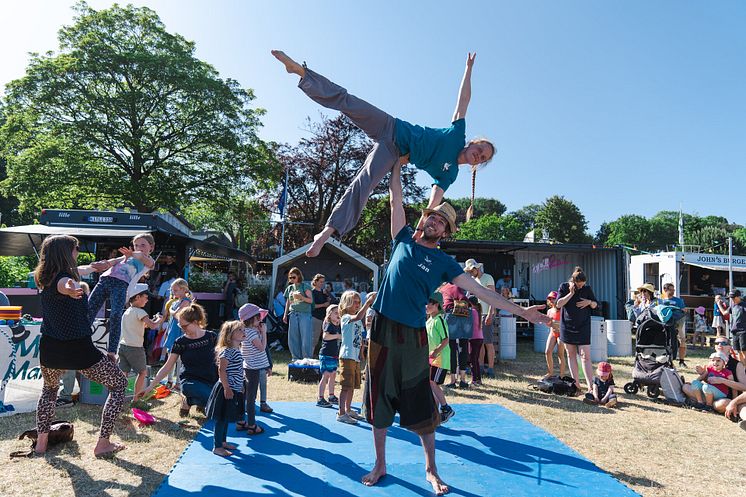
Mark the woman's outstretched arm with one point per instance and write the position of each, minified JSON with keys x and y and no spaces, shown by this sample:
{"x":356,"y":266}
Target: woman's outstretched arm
{"x":464,"y":93}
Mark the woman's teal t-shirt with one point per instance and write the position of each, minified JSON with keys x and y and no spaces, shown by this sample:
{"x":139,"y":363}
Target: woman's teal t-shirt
{"x":434,"y":150}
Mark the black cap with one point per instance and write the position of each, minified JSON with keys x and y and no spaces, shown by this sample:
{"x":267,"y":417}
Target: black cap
{"x":734,"y":294}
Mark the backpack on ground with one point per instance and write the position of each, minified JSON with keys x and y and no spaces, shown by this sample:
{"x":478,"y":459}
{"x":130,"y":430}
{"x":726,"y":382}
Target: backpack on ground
{"x":672,"y":385}
{"x":564,"y":385}
{"x":59,"y":432}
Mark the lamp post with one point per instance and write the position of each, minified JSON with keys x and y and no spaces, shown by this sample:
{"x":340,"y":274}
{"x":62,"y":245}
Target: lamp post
{"x":730,"y":264}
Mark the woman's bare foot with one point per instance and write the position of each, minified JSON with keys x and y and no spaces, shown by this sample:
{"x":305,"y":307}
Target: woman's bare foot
{"x":228,"y":446}
{"x":318,"y":242}
{"x":439,"y":487}
{"x":379,"y":471}
{"x":290,"y":65}
{"x":105,"y":448}
{"x":222,"y":452}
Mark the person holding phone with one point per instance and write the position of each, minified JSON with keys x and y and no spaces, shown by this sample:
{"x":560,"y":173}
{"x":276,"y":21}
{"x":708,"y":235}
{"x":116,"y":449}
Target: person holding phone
{"x":576,"y":300}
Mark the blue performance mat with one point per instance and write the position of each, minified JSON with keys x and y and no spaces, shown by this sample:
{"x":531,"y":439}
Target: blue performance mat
{"x":484,"y":450}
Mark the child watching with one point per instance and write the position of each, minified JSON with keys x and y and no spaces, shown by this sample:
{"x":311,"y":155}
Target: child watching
{"x":329,"y":356}
{"x":553,"y":337}
{"x":253,"y":350}
{"x":705,"y":390}
{"x":225,"y":404}
{"x":181,"y":297}
{"x":476,"y":341}
{"x":351,"y":315}
{"x":700,"y":327}
{"x":440,"y":353}
{"x":123,"y":273}
{"x":134,"y":322}
{"x":603,"y":387}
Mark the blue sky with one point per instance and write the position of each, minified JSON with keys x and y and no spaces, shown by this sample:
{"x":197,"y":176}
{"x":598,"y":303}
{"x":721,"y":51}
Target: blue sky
{"x":622,"y":107}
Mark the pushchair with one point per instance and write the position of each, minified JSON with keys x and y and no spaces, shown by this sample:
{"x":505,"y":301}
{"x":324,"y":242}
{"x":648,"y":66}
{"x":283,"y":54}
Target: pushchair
{"x":655,"y":347}
{"x":277,"y":330}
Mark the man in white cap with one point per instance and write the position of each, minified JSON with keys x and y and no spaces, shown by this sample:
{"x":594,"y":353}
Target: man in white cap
{"x":476,"y":270}
{"x":398,"y":377}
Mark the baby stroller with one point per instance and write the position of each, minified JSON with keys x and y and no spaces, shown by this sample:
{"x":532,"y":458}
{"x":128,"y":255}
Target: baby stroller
{"x":654,"y":349}
{"x":277,"y":330}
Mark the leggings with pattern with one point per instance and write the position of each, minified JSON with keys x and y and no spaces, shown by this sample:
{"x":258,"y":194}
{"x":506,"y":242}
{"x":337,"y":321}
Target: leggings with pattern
{"x":105,"y":372}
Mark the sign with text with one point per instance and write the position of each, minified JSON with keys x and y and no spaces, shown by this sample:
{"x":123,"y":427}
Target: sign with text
{"x":714,"y":260}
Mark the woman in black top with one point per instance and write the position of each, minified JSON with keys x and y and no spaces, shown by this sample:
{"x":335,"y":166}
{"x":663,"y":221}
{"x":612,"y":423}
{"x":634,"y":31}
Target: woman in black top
{"x":320,"y":302}
{"x":66,"y":342}
{"x":196,"y":349}
{"x":576,"y":300}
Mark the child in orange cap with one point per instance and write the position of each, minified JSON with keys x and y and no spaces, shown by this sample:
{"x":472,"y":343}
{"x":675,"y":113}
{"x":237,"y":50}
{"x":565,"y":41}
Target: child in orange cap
{"x":603,"y":387}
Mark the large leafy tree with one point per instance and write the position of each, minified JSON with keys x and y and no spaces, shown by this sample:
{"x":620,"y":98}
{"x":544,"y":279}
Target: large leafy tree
{"x":124,"y":114}
{"x":562,"y":220}
{"x":320,"y":168}
{"x":492,"y":227}
{"x":482,"y":206}
{"x":631,"y":230}
{"x":527,"y":216}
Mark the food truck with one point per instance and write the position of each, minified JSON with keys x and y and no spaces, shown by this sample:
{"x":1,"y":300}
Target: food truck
{"x":698,"y":277}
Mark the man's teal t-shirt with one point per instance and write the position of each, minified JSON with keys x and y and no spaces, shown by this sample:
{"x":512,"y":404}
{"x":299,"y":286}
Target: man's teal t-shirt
{"x":434,"y":150}
{"x":413,"y":274}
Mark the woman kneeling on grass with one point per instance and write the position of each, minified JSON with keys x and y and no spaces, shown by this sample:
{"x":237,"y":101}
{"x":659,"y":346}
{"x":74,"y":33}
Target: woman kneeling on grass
{"x":196,"y":349}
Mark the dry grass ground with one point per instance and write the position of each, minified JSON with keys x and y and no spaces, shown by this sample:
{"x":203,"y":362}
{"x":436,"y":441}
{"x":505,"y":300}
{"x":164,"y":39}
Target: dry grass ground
{"x":655,"y":449}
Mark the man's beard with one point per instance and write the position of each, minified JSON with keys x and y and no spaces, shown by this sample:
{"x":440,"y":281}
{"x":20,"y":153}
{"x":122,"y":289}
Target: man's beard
{"x":431,"y":238}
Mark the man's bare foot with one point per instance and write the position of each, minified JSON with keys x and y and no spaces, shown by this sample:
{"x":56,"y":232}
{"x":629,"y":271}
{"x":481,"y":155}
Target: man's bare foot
{"x":439,"y":487}
{"x":290,"y":65}
{"x":318,"y":242}
{"x":222,"y":452}
{"x":105,"y":448}
{"x":228,"y":446}
{"x":374,"y":476}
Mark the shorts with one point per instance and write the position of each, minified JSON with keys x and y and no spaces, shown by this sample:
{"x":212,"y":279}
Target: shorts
{"x":706,"y":388}
{"x":438,"y":375}
{"x":131,"y":359}
{"x":739,"y":341}
{"x":398,"y":378}
{"x":681,"y":330}
{"x":349,"y":377}
{"x":328,"y":364}
{"x":488,"y":331}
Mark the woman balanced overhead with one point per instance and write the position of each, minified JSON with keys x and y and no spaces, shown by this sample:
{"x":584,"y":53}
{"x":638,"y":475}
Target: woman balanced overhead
{"x":437,"y":151}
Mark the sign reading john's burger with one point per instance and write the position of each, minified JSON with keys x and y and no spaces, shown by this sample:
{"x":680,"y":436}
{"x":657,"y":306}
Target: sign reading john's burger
{"x":714,"y":260}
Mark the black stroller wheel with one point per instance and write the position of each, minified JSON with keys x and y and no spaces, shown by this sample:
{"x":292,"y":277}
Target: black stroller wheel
{"x":631,"y":388}
{"x":653,"y":391}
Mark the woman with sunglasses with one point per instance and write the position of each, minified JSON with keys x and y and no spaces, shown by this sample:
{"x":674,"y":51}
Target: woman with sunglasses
{"x":735,"y":386}
{"x":298,"y":306}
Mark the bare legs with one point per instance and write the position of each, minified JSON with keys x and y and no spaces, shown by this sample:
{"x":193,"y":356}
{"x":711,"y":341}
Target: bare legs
{"x":290,"y":65}
{"x":585,"y":356}
{"x":379,"y":470}
{"x":428,"y":444}
{"x":549,"y":353}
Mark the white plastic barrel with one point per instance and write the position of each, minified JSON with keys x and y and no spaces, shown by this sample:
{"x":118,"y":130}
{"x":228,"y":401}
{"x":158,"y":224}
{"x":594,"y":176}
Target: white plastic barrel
{"x":507,"y":338}
{"x":619,"y":337}
{"x":541,"y":332}
{"x":599,"y":344}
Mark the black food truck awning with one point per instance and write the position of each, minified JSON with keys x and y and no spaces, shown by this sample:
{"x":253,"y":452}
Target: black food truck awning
{"x":25,"y":240}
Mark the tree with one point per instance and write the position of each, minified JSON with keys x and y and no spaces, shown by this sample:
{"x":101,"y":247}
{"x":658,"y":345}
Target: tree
{"x":9,"y":212}
{"x":125,"y":115}
{"x":527,"y":216}
{"x":319,"y":170}
{"x":631,"y":230}
{"x":602,"y":235}
{"x":562,"y":220}
{"x":482,"y":206}
{"x":492,"y":227}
